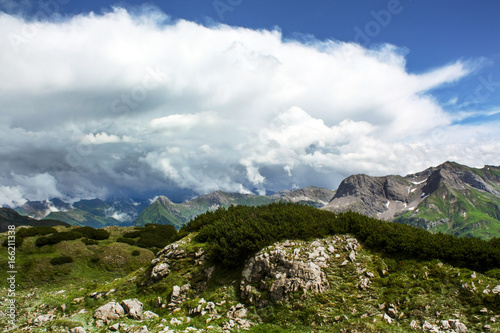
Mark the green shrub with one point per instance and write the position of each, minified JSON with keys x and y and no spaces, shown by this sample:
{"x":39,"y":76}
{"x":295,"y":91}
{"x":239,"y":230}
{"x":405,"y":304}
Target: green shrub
{"x":157,"y":236}
{"x":61,"y":260}
{"x":95,"y":260}
{"x":237,"y":232}
{"x":35,"y":231}
{"x":494,"y":273}
{"x":17,"y":243}
{"x":97,"y":234}
{"x":58,"y":237}
{"x":126,"y":240}
{"x":136,"y":253}
{"x":132,"y":234}
{"x":87,"y":241}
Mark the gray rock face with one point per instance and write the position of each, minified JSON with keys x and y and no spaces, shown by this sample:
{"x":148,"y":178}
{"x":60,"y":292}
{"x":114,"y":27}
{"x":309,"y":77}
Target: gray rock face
{"x":387,"y":197}
{"x":133,"y":308}
{"x":277,"y":272}
{"x":109,"y":311}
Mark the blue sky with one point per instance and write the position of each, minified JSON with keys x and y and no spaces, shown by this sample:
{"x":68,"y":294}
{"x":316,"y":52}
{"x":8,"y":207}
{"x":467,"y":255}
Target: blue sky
{"x":114,"y":98}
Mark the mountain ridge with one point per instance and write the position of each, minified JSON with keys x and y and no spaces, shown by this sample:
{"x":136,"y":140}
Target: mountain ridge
{"x":450,"y":198}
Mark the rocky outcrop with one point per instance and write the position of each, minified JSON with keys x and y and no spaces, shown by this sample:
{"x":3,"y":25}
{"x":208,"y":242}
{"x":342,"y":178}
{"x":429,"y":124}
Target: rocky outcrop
{"x":109,"y":311}
{"x":289,"y":267}
{"x":133,"y":308}
{"x":280,"y":275}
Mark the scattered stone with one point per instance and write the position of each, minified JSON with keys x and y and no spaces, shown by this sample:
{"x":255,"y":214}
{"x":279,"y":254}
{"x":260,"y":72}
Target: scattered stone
{"x":387,"y":318}
{"x":149,"y":315}
{"x":487,"y":328}
{"x":352,"y":256}
{"x":160,"y":271}
{"x":114,"y":327}
{"x":345,"y":262}
{"x":63,"y":307}
{"x":78,"y":329}
{"x":414,"y":324}
{"x":392,"y":312}
{"x":364,"y":284}
{"x":484,"y":310}
{"x":496,"y":290}
{"x":175,"y":321}
{"x":109,"y":311}
{"x":142,"y":329}
{"x":445,"y":325}
{"x":40,"y":320}
{"x":473,"y":275}
{"x":133,"y":308}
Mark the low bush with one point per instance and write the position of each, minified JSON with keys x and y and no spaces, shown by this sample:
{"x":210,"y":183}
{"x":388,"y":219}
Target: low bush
{"x":132,"y":234}
{"x":61,"y":260}
{"x":97,"y":234}
{"x":136,"y":253}
{"x":126,"y":240}
{"x":87,"y":241}
{"x":35,"y":231}
{"x":58,"y":237}
{"x":237,"y":232}
{"x":157,"y":236}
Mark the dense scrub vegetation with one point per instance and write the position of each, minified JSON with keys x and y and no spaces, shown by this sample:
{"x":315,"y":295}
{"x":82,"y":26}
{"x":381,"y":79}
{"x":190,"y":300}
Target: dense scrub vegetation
{"x":237,"y":232}
{"x":88,"y":232}
{"x":151,"y":236}
{"x":35,"y":231}
{"x":61,"y":260}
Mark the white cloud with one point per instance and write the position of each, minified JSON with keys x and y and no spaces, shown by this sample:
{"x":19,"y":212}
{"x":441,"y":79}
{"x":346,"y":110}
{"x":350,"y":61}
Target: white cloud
{"x":100,"y":138}
{"x":126,"y":103}
{"x":34,"y":187}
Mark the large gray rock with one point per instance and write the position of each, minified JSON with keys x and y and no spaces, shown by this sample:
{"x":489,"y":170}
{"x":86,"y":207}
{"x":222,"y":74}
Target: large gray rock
{"x":109,"y":311}
{"x":133,"y":308}
{"x":275,"y":272}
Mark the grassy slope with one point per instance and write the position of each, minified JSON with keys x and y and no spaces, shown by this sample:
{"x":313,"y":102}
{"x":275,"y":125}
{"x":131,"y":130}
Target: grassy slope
{"x":447,"y":205}
{"x":421,"y":291}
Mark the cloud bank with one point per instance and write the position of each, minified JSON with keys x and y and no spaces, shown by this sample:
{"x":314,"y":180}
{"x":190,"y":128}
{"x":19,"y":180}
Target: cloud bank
{"x":135,"y":104}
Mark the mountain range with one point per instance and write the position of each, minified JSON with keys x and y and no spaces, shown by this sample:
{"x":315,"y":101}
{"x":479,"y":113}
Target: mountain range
{"x":449,"y":198}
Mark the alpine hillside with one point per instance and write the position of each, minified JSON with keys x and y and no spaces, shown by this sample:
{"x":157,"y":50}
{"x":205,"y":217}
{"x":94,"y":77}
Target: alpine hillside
{"x":450,"y":198}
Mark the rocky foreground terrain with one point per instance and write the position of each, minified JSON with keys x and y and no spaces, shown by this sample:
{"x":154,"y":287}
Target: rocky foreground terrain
{"x":331,"y":284}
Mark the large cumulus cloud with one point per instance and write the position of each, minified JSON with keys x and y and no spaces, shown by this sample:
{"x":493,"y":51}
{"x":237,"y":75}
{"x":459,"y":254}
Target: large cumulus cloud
{"x":121,"y":103}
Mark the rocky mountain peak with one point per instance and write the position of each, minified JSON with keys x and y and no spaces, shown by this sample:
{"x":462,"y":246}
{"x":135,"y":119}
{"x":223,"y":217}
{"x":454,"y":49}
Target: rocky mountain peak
{"x":447,"y":193}
{"x":164,"y":200}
